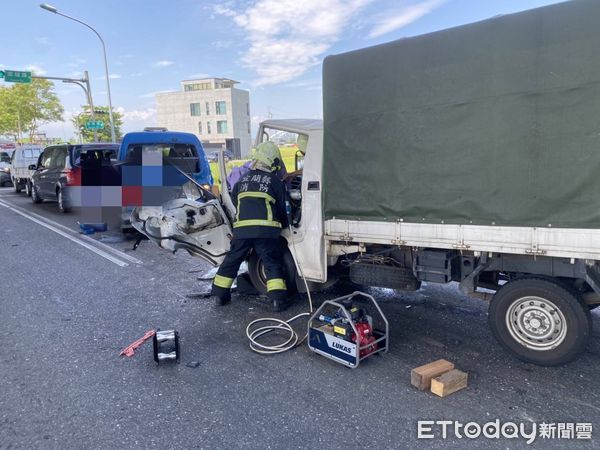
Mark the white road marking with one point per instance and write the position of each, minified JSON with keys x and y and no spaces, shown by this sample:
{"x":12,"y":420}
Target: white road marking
{"x":119,"y":253}
{"x":82,"y":236}
{"x":91,"y":248}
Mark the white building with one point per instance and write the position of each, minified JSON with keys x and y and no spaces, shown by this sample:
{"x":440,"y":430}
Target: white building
{"x":211,"y":108}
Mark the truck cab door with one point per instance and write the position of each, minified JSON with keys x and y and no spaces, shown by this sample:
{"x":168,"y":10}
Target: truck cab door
{"x":304,"y":187}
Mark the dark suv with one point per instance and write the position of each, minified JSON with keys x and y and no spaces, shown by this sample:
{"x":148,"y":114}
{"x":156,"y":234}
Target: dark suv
{"x":59,"y":166}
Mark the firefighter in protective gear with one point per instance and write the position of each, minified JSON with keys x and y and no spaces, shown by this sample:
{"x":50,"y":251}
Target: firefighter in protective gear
{"x":259,"y":197}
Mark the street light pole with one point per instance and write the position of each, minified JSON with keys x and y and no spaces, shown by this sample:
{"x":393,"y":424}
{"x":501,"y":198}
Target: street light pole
{"x":52,"y":9}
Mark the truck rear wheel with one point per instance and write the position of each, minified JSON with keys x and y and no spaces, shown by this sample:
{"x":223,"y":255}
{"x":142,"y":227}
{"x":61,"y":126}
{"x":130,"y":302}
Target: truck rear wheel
{"x":28,"y":188}
{"x":16,"y":185}
{"x":540,"y":321}
{"x":258,"y":277}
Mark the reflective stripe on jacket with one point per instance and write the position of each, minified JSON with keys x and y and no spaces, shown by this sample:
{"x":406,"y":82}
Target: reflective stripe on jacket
{"x":260,"y":201}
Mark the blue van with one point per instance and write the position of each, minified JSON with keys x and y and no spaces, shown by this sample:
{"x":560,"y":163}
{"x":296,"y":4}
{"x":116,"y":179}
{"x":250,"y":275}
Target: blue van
{"x":184,"y":150}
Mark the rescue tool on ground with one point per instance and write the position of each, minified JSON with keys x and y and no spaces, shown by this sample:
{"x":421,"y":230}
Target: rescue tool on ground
{"x":344,"y":332}
{"x":165,"y":345}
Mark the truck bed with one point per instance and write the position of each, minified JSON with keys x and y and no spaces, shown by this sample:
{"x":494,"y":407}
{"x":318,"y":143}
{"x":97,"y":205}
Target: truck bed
{"x":484,"y":136}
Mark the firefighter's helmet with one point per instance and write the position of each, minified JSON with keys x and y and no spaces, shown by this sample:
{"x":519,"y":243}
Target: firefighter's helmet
{"x":267,"y":156}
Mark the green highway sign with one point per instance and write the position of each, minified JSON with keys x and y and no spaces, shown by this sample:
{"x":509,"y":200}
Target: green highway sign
{"x":94,"y":125}
{"x":15,"y":76}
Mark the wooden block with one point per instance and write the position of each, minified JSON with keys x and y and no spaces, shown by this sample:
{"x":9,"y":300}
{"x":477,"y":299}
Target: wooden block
{"x":448,"y":383}
{"x":420,"y":377}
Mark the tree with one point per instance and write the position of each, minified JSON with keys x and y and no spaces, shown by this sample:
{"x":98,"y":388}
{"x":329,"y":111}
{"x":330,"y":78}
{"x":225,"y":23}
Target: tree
{"x":101,"y":112}
{"x":8,"y":116}
{"x":26,"y":106}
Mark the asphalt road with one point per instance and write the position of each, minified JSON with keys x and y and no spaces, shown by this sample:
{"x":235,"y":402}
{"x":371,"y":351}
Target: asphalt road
{"x":66,"y":310}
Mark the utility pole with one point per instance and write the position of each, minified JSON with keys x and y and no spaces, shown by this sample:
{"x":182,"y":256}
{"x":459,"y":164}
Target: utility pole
{"x":83,"y":83}
{"x":19,"y":138}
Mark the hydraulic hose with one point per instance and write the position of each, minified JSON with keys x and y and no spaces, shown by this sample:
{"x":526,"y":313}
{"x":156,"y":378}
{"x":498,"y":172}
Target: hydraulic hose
{"x":270,"y":324}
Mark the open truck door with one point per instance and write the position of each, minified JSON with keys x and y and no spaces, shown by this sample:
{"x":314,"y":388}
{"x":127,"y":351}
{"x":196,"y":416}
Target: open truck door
{"x":195,"y":220}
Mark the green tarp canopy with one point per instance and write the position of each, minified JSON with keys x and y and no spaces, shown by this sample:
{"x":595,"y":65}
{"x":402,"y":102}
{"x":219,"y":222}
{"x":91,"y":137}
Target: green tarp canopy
{"x":493,"y":122}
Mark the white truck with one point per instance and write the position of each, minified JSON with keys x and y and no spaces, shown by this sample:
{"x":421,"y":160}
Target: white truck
{"x":468,"y":155}
{"x":20,"y":173}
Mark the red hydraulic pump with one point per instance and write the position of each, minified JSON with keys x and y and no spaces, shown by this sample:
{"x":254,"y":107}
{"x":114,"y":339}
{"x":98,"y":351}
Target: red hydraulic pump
{"x":342,"y":327}
{"x":344,"y":332}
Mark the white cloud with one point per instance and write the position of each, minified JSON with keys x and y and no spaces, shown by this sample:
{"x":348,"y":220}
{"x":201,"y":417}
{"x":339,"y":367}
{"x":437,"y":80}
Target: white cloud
{"x":36,"y":69}
{"x":224,"y":10}
{"x":70,"y":113}
{"x":287,"y":37}
{"x":400,"y":17}
{"x":42,"y":40}
{"x":64,"y":129}
{"x":163,"y":63}
{"x":137,"y":119}
{"x":137,"y":114}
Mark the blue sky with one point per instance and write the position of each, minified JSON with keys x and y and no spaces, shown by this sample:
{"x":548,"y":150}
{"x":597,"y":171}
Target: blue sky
{"x":273,"y":47}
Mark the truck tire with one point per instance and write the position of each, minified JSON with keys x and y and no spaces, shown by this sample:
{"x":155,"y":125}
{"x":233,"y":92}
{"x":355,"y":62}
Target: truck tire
{"x":256,"y":271}
{"x":540,"y":321}
{"x":28,"y":188}
{"x":16,"y":185}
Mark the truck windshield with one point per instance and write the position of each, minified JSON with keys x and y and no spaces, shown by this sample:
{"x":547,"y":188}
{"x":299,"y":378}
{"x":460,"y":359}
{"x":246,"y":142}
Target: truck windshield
{"x":32,"y":152}
{"x":291,"y":144}
{"x":285,"y":139}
